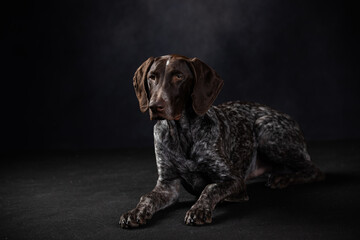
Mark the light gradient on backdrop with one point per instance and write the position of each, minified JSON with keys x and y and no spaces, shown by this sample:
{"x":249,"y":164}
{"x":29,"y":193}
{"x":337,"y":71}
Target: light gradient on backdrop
{"x":74,"y":61}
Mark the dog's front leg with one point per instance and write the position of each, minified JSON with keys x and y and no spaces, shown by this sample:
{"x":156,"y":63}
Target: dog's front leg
{"x":201,"y":212}
{"x":164,"y":194}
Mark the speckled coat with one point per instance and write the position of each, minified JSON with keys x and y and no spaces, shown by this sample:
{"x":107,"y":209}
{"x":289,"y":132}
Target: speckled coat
{"x":213,"y":154}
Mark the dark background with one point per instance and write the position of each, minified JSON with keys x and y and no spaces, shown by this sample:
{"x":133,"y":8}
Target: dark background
{"x":67,"y":66}
{"x":67,"y":110}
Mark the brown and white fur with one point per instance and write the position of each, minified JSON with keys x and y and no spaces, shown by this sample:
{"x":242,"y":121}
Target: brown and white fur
{"x":211,"y":150}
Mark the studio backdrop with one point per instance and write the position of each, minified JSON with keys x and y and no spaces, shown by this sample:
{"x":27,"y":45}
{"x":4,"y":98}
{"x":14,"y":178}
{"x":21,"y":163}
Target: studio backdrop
{"x":67,"y":66}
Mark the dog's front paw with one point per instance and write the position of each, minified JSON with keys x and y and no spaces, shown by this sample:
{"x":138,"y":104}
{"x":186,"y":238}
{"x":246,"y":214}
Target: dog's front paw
{"x":134,"y":218}
{"x":198,"y":216}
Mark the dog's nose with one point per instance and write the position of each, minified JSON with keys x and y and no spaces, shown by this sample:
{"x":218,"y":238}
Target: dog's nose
{"x":157,"y":106}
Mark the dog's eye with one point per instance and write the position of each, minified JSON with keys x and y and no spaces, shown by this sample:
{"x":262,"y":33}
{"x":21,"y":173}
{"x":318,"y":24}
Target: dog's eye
{"x":178,"y":77}
{"x":152,"y":77}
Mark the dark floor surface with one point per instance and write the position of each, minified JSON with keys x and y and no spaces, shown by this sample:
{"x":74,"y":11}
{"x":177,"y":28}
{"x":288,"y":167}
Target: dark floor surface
{"x":81,"y":195}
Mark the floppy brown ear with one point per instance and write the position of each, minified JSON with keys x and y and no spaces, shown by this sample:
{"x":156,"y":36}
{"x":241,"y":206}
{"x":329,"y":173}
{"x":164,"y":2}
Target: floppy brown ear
{"x":206,"y":88}
{"x":139,"y":82}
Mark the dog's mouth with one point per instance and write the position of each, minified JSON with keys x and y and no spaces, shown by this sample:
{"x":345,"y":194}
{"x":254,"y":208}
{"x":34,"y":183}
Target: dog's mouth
{"x":177,"y":117}
{"x":159,"y":116}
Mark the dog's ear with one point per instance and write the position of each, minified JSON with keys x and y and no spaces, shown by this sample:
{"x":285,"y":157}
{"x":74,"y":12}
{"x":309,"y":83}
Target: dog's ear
{"x":206,"y":88}
{"x":140,"y":84}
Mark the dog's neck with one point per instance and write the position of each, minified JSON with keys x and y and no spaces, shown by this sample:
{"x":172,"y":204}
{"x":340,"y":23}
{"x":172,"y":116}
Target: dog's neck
{"x":182,"y":127}
{"x":181,"y":130}
{"x":188,"y":117}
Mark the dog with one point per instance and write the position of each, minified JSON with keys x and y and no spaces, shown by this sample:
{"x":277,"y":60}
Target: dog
{"x":212,"y":151}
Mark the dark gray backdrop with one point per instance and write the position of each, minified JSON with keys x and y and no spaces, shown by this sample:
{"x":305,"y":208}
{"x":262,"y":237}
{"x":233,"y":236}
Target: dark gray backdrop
{"x":67,"y":66}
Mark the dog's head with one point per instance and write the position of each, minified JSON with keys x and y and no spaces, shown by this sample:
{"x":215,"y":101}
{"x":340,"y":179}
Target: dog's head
{"x":167,"y":85}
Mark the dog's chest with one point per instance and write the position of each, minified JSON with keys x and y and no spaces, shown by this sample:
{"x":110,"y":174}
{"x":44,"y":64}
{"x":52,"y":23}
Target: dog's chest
{"x":195,"y":173}
{"x":194,"y":182}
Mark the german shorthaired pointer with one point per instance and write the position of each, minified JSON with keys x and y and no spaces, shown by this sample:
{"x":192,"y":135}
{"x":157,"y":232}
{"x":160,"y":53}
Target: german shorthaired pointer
{"x":211,"y":150}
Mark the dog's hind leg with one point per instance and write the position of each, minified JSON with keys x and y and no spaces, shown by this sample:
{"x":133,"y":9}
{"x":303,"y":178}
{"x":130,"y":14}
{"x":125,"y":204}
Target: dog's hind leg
{"x":282,"y":145}
{"x":306,"y":173}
